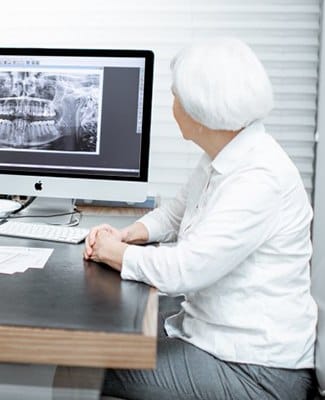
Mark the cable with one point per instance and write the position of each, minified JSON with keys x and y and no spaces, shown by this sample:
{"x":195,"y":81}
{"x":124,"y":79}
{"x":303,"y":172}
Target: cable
{"x":74,"y":222}
{"x":13,"y":215}
{"x":25,"y":204}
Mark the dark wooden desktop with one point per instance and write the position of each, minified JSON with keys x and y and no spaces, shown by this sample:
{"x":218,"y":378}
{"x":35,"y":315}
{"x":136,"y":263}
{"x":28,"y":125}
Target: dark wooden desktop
{"x":76,"y":313}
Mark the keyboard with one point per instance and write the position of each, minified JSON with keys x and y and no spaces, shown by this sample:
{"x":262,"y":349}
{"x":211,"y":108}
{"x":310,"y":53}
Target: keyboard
{"x":55,"y":233}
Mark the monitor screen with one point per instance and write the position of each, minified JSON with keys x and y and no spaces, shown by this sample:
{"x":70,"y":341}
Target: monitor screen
{"x":75,"y":123}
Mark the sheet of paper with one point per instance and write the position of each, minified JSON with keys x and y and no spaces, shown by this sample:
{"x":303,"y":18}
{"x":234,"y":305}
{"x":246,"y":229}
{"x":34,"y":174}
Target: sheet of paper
{"x":18,"y":259}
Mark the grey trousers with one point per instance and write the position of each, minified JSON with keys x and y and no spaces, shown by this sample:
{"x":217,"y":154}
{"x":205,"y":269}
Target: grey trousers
{"x":184,"y":372}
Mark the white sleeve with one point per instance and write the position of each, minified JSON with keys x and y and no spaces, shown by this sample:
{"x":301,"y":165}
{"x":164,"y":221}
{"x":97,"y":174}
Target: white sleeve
{"x":163,"y":222}
{"x":240,"y":220}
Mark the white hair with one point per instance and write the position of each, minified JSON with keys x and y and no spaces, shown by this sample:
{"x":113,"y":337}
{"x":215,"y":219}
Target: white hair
{"x":222,"y":85}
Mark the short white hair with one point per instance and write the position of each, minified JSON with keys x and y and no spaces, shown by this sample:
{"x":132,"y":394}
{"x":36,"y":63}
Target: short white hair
{"x":222,"y":84}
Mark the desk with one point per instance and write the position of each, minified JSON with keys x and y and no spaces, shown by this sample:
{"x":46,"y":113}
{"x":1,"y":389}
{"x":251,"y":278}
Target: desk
{"x":75,"y":312}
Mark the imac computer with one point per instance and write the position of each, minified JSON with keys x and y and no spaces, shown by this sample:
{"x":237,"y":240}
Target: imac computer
{"x":75,"y":123}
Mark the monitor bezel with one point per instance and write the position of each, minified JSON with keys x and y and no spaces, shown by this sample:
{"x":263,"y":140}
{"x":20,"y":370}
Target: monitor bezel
{"x":148,"y":55}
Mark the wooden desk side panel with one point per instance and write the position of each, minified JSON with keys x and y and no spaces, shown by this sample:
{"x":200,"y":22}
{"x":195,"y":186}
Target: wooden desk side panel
{"x":150,"y":320}
{"x":76,"y":348}
{"x":84,"y":348}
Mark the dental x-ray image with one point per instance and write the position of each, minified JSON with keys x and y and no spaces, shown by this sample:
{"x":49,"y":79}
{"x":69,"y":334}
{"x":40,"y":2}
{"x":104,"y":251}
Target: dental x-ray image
{"x":49,"y":110}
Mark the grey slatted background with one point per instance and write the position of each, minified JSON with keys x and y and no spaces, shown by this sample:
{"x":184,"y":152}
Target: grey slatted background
{"x":284,"y":33}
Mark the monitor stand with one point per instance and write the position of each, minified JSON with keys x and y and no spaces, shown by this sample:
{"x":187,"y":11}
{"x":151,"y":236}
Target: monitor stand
{"x":49,"y":210}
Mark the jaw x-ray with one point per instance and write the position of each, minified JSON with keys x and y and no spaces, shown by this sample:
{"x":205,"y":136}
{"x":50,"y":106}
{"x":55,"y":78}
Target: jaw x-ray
{"x":48,"y":110}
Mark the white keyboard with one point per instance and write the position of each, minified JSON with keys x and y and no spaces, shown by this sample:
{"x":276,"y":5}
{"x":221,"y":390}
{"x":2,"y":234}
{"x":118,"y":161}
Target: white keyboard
{"x":56,"y":233}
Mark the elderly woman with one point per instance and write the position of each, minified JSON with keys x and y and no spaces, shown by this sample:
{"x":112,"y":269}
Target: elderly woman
{"x":241,"y":233}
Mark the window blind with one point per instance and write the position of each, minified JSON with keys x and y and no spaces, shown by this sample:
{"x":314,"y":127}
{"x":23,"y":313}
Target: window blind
{"x":284,"y":34}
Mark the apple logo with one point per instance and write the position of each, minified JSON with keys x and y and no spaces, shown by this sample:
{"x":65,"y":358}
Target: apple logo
{"x":38,"y":185}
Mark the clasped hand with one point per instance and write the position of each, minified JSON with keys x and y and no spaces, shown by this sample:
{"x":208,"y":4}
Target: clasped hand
{"x":105,"y":243}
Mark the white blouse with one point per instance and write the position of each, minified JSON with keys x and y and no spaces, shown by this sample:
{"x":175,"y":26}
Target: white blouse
{"x":241,"y":251}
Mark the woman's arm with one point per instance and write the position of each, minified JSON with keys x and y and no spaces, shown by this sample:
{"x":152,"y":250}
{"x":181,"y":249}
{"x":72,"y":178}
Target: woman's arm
{"x":164,"y":222}
{"x":239,"y":221}
{"x":136,"y":233}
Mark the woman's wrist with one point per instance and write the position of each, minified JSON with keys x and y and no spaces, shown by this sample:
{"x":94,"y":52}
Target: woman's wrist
{"x":115,"y":257}
{"x":136,"y":233}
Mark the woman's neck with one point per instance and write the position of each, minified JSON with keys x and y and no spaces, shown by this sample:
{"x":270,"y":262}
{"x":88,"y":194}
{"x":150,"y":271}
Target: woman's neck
{"x":213,"y":141}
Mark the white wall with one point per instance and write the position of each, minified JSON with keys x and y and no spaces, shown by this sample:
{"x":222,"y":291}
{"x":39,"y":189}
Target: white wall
{"x":284,"y":33}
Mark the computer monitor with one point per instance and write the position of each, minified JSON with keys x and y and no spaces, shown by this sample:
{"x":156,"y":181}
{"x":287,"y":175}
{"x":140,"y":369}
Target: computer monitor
{"x":75,"y":123}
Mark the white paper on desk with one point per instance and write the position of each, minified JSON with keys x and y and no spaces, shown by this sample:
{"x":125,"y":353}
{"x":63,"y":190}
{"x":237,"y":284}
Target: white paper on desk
{"x":18,"y":259}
